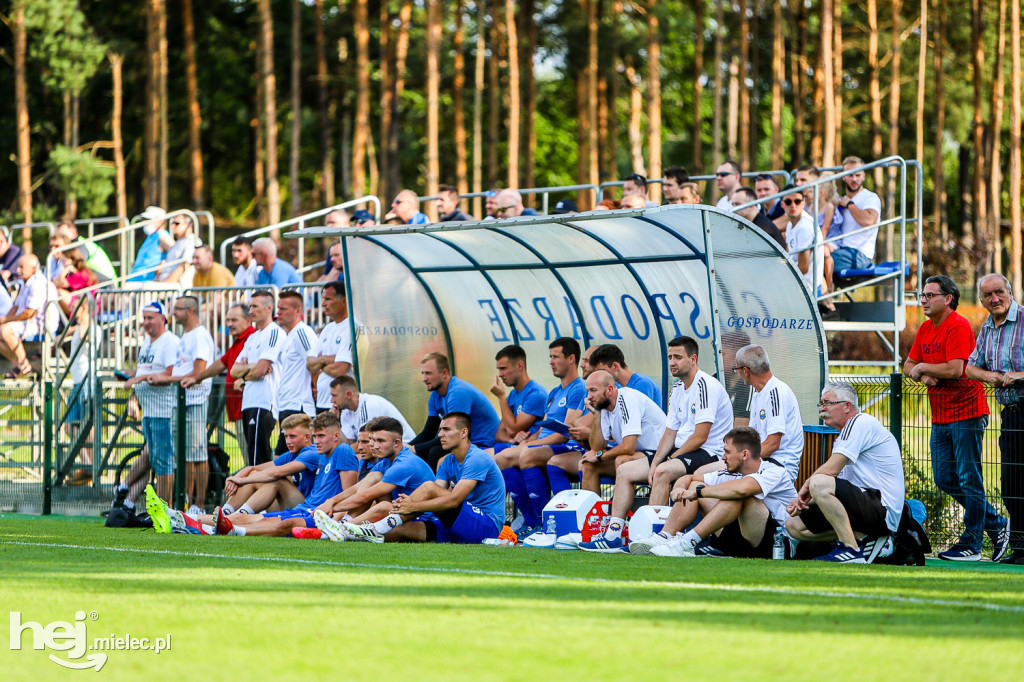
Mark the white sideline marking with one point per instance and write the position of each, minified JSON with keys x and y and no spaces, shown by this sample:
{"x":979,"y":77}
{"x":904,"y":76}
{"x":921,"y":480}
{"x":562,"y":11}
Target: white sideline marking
{"x":544,"y":576}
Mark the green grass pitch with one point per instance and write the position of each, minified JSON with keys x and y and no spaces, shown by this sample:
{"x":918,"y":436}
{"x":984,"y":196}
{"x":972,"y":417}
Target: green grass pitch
{"x":256,"y":609}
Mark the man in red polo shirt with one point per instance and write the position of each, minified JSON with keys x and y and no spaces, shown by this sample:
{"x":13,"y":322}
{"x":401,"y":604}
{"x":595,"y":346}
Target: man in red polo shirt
{"x":237,"y":321}
{"x":938,"y":359}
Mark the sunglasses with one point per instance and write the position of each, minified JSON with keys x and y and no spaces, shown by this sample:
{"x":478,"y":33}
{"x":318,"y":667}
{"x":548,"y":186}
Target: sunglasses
{"x":725,"y":174}
{"x":791,"y":202}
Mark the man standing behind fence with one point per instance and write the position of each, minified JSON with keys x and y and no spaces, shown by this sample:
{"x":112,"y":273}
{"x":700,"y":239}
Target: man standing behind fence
{"x":296,"y":392}
{"x":258,"y":369}
{"x":938,"y":359}
{"x":998,"y":359}
{"x":332,"y":356}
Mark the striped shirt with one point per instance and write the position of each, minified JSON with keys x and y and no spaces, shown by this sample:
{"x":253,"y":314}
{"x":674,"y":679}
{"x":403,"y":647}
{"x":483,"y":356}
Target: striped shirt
{"x":296,"y":387}
{"x":1001,"y":349}
{"x":370,"y":407}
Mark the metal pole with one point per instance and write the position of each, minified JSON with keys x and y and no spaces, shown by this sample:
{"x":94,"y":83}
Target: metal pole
{"x":896,"y":407}
{"x":48,"y":448}
{"x":179,"y":450}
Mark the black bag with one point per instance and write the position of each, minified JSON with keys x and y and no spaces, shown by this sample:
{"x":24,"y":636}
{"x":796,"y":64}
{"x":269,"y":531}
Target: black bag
{"x":218,"y":474}
{"x":910,"y":545}
{"x":122,"y":518}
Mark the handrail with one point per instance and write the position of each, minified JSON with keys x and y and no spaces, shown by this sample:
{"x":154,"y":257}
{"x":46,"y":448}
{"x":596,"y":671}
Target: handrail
{"x":92,"y":222}
{"x":301,"y":222}
{"x":786,"y":175}
{"x":545,"y":191}
{"x":35,"y":226}
{"x":212,"y":225}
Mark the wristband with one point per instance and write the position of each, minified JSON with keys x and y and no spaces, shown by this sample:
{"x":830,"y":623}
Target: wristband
{"x":700,"y":490}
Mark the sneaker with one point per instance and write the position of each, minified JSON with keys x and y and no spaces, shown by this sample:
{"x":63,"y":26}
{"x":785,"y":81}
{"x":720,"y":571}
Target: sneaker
{"x":328,"y":526}
{"x":643,"y":546}
{"x":1014,"y":558}
{"x":675,"y":547}
{"x":224,"y":525}
{"x":364,"y":532}
{"x":842,"y":554}
{"x":604,"y":546}
{"x":960,"y":553}
{"x":118,"y":502}
{"x":308,"y":533}
{"x":158,"y":511}
{"x":876,"y":548}
{"x":1000,"y":540}
{"x":183,"y":523}
{"x":705,"y":548}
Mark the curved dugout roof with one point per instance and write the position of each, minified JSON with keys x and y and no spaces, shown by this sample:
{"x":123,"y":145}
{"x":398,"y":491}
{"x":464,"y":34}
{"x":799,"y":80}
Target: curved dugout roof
{"x":633,"y":278}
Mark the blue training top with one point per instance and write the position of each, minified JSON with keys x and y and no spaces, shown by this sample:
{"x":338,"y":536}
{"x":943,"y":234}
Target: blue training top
{"x":561,"y":400}
{"x":406,"y":472}
{"x":646,"y":385}
{"x":328,"y":476}
{"x":305,"y":479}
{"x":463,"y":397}
{"x":489,"y":493}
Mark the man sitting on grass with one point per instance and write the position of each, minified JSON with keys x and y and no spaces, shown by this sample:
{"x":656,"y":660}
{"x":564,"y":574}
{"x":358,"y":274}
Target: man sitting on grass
{"x":464,"y":505}
{"x":743,"y":504}
{"x":398,"y":471}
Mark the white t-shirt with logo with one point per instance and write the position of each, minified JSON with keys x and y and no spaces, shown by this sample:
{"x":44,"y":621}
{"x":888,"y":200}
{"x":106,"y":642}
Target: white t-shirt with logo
{"x":155,"y":357}
{"x":32,"y":296}
{"x":774,"y":409}
{"x":705,"y":402}
{"x":195,"y":345}
{"x":370,"y":407}
{"x":777,"y":489}
{"x":263,"y":344}
{"x":875,"y":462}
{"x":336,"y":340}
{"x":865,"y":241}
{"x":800,"y":237}
{"x":634,"y":414}
{"x":296,"y":390}
{"x":246,"y":276}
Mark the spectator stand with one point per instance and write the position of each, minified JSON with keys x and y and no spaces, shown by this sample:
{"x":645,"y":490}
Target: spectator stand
{"x":300,"y":223}
{"x":784,"y":174}
{"x":544,"y":193}
{"x":876,"y":300}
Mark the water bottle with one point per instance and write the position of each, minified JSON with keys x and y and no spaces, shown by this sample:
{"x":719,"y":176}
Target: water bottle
{"x":497,"y":542}
{"x":551,"y":527}
{"x":779,"y":545}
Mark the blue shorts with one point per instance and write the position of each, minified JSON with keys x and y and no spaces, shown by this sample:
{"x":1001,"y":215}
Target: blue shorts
{"x":562,"y":448}
{"x":471,"y":527}
{"x":304,"y":514}
{"x":498,"y":447}
{"x":848,"y":258}
{"x":157,"y":433}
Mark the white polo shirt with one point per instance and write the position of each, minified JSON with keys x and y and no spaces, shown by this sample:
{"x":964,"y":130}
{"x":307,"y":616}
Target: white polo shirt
{"x":265,"y":344}
{"x":774,"y":409}
{"x":296,"y":389}
{"x":875,"y":462}
{"x":335,"y":339}
{"x":370,"y":407}
{"x":195,"y":345}
{"x":777,"y":489}
{"x":704,"y":402}
{"x":634,"y":414}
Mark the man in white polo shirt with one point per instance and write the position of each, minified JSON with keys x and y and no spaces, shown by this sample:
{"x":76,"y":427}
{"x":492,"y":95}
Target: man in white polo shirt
{"x":333,"y":355}
{"x":857,"y":496}
{"x":774,"y":410}
{"x":356,"y":408}
{"x":258,"y":369}
{"x":295,"y":395}
{"x":25,"y":320}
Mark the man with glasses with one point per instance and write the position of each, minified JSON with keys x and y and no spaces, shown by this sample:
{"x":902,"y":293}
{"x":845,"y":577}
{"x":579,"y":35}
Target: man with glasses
{"x":774,"y":411}
{"x":510,"y":205}
{"x":636,"y":185}
{"x":998,"y":359}
{"x":800,"y":241}
{"x":862,"y":207}
{"x":728,"y":179}
{"x":856,"y":497}
{"x":406,"y":207}
{"x":938,"y":359}
{"x":179,"y":257}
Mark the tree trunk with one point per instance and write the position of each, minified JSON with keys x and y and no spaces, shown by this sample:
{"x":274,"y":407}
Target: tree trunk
{"x":940,"y":123}
{"x":716,"y":114}
{"x":195,"y":121}
{"x":827,"y":64}
{"x":528,"y":30}
{"x":121,"y":200}
{"x":922,"y":64}
{"x":395,"y":134}
{"x":636,"y":151}
{"x":614,"y":78}
{"x":513,"y":94}
{"x":798,"y":72}
{"x":875,"y":94}
{"x":296,"y":97}
{"x":270,"y":115}
{"x":21,"y":117}
{"x":70,"y":204}
{"x":732,"y":134}
{"x":979,"y":191}
{"x":323,"y":113}
{"x":743,"y":100}
{"x":593,"y":150}
{"x":387,"y":92}
{"x":361,"y":26}
{"x":1015,"y":151}
{"x":433,"y":102}
{"x":581,"y":133}
{"x":837,"y":75}
{"x":778,"y":76}
{"x":698,"y":85}
{"x":894,"y":117}
{"x":458,"y":88}
{"x":150,"y":179}
{"x":162,"y":95}
{"x":371,"y":160}
{"x":752,"y":99}
{"x":494,"y":101}
{"x":995,"y":184}
{"x":478,"y":108}
{"x":653,"y":98}
{"x":259,"y":150}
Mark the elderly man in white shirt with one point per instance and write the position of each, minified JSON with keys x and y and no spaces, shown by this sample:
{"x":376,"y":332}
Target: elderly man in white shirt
{"x":25,"y":319}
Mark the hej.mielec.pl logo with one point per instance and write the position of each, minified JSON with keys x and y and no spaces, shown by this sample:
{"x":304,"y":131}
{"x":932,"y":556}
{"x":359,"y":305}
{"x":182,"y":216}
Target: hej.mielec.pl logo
{"x":73,"y":640}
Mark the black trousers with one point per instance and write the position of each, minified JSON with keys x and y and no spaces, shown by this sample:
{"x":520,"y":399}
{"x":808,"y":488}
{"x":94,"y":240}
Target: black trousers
{"x":1011,"y":445}
{"x":259,"y":425}
{"x":281,"y":416}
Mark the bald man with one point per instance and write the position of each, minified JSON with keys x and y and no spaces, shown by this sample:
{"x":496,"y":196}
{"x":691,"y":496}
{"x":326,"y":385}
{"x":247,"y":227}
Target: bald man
{"x":510,"y":204}
{"x":272,"y":269}
{"x":406,"y":207}
{"x":24,"y":321}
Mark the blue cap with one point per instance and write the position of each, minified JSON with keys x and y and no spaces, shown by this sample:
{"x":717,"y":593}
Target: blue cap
{"x":155,"y":307}
{"x":361,"y":216}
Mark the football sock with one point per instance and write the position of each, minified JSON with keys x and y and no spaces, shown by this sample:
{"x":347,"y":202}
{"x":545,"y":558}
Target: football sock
{"x":516,"y":487}
{"x":558,"y":478}
{"x":237,"y":530}
{"x":615,"y":526}
{"x":387,"y":523}
{"x":690,"y":539}
{"x":537,"y":487}
{"x":208,"y":529}
{"x":228,"y":509}
{"x":246,"y":509}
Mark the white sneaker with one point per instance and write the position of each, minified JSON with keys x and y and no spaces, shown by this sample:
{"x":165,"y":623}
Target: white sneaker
{"x":674,"y":547}
{"x":330,"y":528}
{"x":364,"y":532}
{"x":645,"y":545}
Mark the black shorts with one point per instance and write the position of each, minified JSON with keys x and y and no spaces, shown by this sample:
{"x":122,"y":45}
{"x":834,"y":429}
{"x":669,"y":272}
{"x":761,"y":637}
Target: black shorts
{"x":863,"y":506}
{"x":732,"y":543}
{"x":696,"y":459}
{"x":649,"y":454}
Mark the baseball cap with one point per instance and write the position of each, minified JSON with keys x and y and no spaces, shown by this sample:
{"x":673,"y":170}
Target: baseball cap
{"x":154,"y":213}
{"x":155,"y":307}
{"x":565,"y":206}
{"x":361,"y":216}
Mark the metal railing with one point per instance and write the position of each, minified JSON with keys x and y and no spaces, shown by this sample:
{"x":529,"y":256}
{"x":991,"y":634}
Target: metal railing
{"x":300,"y":222}
{"x":544,"y":192}
{"x":784,"y":174}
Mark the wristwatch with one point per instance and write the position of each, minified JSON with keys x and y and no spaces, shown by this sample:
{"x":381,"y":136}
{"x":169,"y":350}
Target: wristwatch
{"x":598,"y":455}
{"x":700,"y":490}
